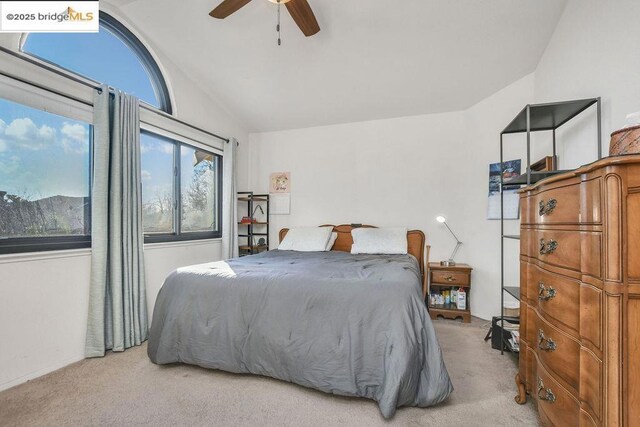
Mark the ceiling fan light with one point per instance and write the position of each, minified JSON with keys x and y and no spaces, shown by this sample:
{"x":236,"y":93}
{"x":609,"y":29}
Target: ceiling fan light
{"x":281,"y":1}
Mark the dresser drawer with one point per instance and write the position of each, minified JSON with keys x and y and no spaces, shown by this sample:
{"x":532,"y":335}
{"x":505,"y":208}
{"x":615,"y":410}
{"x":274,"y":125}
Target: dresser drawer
{"x":558,"y":351}
{"x":579,"y":251}
{"x":557,"y":297}
{"x":449,"y":277}
{"x":557,"y":247}
{"x":567,"y":204}
{"x":556,"y":405}
{"x":557,"y":206}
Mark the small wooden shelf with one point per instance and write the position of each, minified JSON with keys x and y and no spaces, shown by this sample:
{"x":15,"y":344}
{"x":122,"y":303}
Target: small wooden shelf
{"x":449,"y":313}
{"x":450,"y":307}
{"x":454,"y":276}
{"x":253,"y":223}
{"x":252,"y":247}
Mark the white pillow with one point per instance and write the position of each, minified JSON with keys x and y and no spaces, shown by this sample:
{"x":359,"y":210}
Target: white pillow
{"x":332,"y":240}
{"x":392,"y":240}
{"x":306,"y":239}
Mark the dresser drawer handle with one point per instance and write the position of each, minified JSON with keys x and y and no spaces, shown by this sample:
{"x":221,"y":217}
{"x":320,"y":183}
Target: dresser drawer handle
{"x":545,"y":294}
{"x":544,"y":343}
{"x":450,"y":279}
{"x":547,"y":248}
{"x":545,"y":394}
{"x":547,"y":208}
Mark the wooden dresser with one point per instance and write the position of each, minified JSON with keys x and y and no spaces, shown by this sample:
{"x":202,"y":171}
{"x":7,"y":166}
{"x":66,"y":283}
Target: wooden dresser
{"x":580,"y":295}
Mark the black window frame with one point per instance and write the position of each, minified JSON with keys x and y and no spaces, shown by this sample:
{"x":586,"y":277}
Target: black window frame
{"x":15,"y":245}
{"x":156,"y":78}
{"x":178,"y":235}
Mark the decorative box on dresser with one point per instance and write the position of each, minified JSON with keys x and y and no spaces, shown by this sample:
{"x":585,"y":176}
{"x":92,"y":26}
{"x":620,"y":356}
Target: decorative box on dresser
{"x":580,"y":295}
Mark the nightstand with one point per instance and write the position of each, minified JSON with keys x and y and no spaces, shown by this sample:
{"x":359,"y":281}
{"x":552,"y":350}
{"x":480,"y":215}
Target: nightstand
{"x":444,"y":278}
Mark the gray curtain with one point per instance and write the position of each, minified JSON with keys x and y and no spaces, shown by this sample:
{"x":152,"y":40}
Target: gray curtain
{"x":229,"y":200}
{"x":117,"y":298}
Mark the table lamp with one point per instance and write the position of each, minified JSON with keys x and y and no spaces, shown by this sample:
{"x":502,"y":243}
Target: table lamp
{"x":443,"y":220}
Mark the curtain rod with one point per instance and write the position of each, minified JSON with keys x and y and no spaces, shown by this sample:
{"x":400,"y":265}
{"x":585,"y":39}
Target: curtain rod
{"x":94,"y":86}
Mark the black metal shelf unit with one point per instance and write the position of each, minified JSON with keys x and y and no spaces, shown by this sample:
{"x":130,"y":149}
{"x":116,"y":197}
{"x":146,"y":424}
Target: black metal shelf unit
{"x":248,"y":226}
{"x":536,"y":118}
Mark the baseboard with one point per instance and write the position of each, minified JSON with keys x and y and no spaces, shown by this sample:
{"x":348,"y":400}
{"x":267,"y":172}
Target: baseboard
{"x":40,"y":372}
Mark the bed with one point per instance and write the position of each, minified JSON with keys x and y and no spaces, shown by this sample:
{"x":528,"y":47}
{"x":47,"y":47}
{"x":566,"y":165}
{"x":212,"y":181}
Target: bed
{"x":352,"y":325}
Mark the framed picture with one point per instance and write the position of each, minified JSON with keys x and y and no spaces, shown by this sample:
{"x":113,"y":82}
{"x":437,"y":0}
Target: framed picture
{"x":545,"y":164}
{"x":510,"y":169}
{"x":280,"y":182}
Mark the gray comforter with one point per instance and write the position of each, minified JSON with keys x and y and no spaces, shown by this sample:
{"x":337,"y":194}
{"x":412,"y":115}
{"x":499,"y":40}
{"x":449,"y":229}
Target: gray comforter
{"x":352,"y":325}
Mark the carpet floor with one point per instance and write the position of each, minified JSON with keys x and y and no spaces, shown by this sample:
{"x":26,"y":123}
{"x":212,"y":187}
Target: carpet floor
{"x":127,"y":389}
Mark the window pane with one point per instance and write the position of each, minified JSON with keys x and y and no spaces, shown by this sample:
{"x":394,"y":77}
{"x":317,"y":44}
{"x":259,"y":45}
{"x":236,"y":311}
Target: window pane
{"x":100,"y":56}
{"x":157,"y":184}
{"x":44,"y":173}
{"x":198,"y":170}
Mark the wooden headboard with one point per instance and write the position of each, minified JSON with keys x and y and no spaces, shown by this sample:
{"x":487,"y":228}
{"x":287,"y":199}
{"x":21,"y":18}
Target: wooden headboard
{"x":415,"y":245}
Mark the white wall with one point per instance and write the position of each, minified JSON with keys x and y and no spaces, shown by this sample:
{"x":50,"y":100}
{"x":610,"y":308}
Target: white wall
{"x":594,"y":51}
{"x":401,"y":172}
{"x":44,"y":299}
{"x":405,"y":171}
{"x":44,"y":296}
{"x":388,"y":172}
{"x":43,"y":312}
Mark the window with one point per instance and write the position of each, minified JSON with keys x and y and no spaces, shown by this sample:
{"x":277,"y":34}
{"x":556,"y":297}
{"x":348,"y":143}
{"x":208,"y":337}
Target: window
{"x":197,"y":190}
{"x":113,"y":55}
{"x":181,"y":190}
{"x":46,"y":143}
{"x":44,"y":180}
{"x":157,"y":158}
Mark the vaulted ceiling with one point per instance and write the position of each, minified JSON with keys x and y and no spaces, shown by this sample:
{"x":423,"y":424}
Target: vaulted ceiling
{"x":372,"y":59}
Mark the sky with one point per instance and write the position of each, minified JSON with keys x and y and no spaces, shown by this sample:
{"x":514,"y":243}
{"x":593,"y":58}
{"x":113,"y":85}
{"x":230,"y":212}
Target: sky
{"x":157,"y":167}
{"x":44,"y":154}
{"x":100,"y":56}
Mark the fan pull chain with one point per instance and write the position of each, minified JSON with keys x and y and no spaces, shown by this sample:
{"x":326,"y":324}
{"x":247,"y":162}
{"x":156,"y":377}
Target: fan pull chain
{"x":278,"y":26}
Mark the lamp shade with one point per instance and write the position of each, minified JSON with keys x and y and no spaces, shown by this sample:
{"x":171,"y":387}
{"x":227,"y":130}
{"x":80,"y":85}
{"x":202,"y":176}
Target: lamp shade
{"x":441,"y":219}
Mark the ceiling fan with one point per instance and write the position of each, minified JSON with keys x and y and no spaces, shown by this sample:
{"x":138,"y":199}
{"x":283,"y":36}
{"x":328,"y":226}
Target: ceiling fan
{"x":299,"y":10}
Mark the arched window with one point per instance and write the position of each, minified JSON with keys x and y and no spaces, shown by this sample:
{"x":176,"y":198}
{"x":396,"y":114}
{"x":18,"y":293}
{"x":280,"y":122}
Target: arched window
{"x":114,"y":56}
{"x":46,"y":144}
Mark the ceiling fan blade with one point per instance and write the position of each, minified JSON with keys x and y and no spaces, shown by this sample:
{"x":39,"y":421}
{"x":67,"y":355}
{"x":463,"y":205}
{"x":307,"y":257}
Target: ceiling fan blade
{"x":227,"y":7}
{"x":303,"y":16}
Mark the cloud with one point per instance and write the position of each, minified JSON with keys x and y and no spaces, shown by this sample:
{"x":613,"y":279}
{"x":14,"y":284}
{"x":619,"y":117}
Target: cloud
{"x":76,"y":131}
{"x":146,"y":175}
{"x":160,"y":146}
{"x":74,"y":137}
{"x":25,"y":134}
